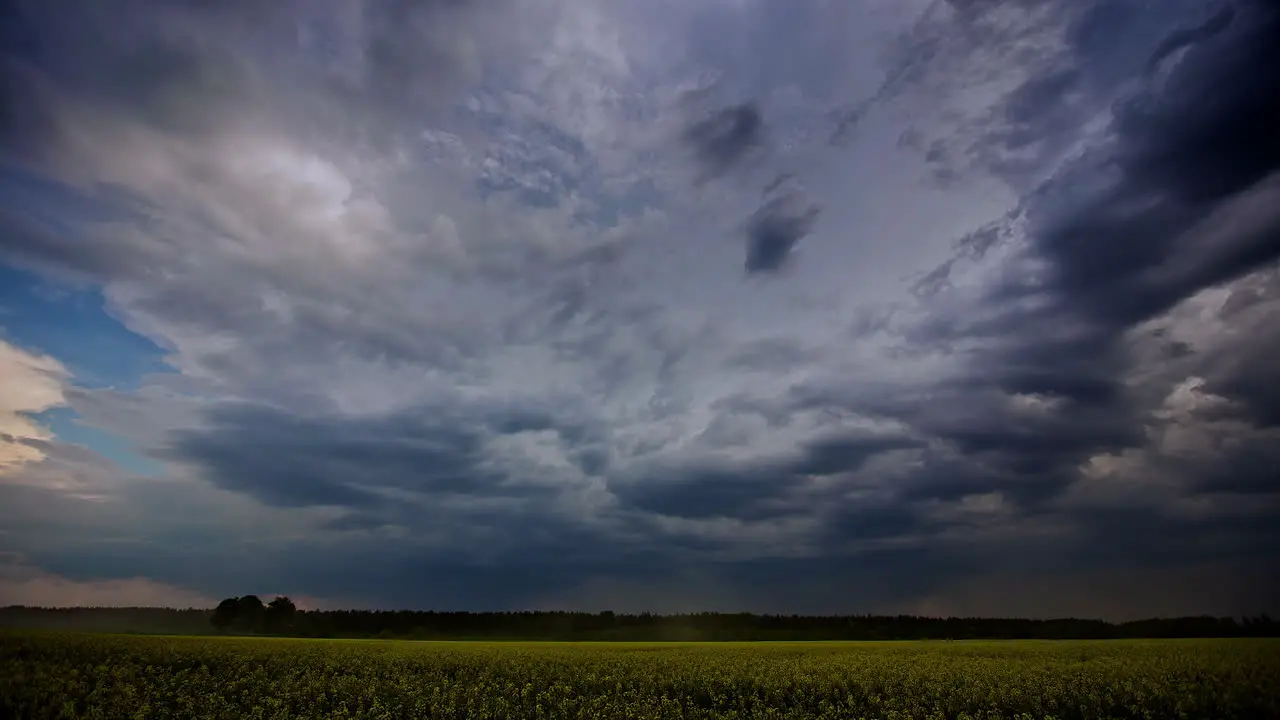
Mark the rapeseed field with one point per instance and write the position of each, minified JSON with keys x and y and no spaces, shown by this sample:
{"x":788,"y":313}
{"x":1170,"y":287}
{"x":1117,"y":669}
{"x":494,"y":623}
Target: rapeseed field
{"x":52,"y":675}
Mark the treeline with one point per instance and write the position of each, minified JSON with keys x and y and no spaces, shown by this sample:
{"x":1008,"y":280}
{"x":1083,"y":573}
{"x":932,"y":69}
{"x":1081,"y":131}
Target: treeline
{"x":279,"y":617}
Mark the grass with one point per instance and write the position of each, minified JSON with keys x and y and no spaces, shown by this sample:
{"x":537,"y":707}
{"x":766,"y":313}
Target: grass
{"x":52,"y":675}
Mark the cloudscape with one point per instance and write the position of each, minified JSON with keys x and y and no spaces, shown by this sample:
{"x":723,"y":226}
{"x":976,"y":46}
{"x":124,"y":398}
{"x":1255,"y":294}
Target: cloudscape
{"x":827,"y":306}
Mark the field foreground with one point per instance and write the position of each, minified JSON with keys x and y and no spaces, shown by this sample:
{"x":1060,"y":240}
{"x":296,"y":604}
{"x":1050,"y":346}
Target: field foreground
{"x":50,"y":675}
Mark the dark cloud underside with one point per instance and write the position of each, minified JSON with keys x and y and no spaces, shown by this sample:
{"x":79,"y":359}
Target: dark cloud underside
{"x":445,"y":320}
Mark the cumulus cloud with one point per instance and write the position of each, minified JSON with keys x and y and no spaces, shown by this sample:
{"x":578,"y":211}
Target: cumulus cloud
{"x":29,"y":383}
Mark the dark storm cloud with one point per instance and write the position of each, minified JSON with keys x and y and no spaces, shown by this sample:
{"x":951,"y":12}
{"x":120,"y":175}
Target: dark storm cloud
{"x":377,"y":575}
{"x":722,"y":144}
{"x":758,"y":490}
{"x":1250,"y":467}
{"x":1184,"y":197}
{"x":32,"y":242}
{"x":1251,"y":378}
{"x":842,"y":454}
{"x":391,"y":576}
{"x":710,"y":492}
{"x":1188,"y":150}
{"x":1030,"y":457}
{"x":125,"y":60}
{"x":197,"y":70}
{"x":774,"y":230}
{"x":774,"y":355}
{"x":447,"y":506}
{"x":1191,"y":205}
{"x":723,"y":140}
{"x":949,"y":476}
{"x":855,"y":525}
{"x":1180,"y":199}
{"x":94,"y":97}
{"x":1218,"y":22}
{"x":776,"y":183}
{"x":290,"y":460}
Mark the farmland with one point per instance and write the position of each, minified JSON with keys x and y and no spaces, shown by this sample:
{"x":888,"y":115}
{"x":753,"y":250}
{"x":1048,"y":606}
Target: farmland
{"x":65,"y":675}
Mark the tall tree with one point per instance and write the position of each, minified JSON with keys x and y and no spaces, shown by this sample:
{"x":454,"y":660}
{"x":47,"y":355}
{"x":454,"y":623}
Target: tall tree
{"x":225,"y":614}
{"x":279,"y":614}
{"x":249,"y":612}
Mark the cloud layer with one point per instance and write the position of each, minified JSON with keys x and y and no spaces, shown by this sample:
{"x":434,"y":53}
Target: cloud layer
{"x":28,"y":384}
{"x":508,"y":304}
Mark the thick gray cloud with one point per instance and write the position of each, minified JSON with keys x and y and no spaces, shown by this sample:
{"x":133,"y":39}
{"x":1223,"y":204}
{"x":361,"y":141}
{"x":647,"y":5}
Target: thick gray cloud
{"x":288,"y":460}
{"x":780,"y":487}
{"x":732,"y":141}
{"x":1176,"y":199}
{"x":723,"y":140}
{"x":774,"y":230}
{"x":1182,"y":203}
{"x":451,"y":321}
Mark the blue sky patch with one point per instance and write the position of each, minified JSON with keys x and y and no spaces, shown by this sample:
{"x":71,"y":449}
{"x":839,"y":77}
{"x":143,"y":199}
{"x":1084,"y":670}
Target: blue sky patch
{"x":66,"y":426}
{"x":73,"y":326}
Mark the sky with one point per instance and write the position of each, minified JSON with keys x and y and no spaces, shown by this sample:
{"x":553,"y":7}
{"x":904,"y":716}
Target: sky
{"x":950,"y":307}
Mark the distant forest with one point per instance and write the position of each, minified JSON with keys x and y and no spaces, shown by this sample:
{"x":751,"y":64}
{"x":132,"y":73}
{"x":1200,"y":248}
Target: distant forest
{"x":249,"y":615}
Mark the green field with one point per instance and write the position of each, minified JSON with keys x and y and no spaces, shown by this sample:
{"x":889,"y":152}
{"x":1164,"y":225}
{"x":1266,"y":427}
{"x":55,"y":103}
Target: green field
{"x":52,"y":675}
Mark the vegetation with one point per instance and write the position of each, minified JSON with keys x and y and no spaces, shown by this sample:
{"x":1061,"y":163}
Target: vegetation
{"x":57,"y":675}
{"x":249,"y":615}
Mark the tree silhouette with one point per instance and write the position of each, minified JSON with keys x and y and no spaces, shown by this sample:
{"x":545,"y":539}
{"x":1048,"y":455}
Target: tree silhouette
{"x":548,"y":625}
{"x":225,"y":614}
{"x":249,"y":613}
{"x":279,"y":613}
